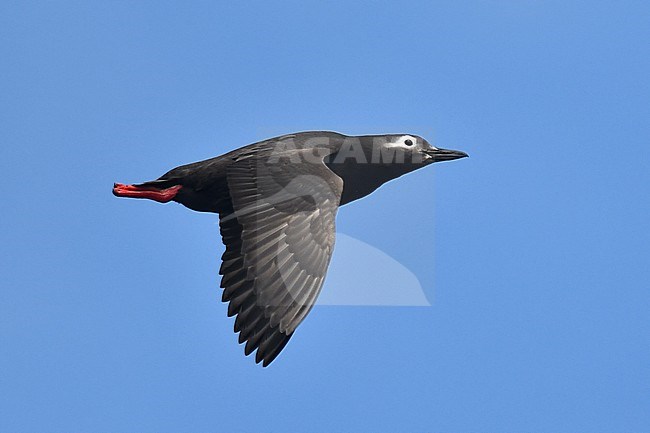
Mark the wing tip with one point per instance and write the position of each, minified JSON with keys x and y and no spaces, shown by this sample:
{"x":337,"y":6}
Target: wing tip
{"x":266,"y":348}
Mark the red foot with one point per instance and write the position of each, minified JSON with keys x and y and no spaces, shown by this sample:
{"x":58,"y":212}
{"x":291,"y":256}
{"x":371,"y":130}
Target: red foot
{"x":159,"y":195}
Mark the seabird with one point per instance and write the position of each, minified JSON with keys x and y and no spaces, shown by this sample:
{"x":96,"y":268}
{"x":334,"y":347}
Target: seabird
{"x":277,"y":201}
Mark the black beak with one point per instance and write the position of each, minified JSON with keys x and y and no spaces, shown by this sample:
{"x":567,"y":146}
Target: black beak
{"x":444,"y":154}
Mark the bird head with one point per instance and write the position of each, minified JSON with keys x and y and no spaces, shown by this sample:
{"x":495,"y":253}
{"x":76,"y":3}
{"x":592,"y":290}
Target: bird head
{"x":408,"y":149}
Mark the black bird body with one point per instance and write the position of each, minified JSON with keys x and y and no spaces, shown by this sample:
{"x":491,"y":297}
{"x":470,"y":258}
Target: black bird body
{"x":277,"y":201}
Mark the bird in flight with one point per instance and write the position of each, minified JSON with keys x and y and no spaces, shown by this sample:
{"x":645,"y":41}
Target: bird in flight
{"x":277,"y":201}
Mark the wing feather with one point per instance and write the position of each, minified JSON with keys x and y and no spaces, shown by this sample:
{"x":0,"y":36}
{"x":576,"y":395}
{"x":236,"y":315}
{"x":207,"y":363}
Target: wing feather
{"x":279,"y":234}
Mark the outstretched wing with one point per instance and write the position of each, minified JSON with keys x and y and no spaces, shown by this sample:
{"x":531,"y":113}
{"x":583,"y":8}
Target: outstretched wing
{"x":279,"y":236}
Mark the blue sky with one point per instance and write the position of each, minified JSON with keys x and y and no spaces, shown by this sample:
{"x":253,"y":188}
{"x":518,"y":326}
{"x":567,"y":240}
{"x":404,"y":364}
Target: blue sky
{"x":533,"y":252}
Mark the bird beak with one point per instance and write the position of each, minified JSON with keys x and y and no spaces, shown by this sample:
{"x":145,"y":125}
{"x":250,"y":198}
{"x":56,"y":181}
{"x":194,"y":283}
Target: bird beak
{"x":438,"y":155}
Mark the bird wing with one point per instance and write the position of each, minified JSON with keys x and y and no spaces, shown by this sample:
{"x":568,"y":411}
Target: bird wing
{"x":279,"y":236}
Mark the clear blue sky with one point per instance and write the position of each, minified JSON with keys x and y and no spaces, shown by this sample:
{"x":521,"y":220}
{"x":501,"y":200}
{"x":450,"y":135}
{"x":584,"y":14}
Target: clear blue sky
{"x":534,"y":252}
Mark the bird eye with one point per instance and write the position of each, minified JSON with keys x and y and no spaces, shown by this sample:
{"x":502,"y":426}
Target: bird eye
{"x":409,"y":142}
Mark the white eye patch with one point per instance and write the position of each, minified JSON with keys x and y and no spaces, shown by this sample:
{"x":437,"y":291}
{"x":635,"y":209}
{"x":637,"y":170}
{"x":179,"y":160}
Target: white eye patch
{"x":405,"y":141}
